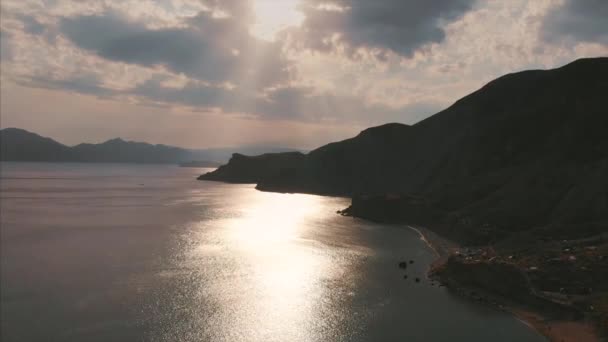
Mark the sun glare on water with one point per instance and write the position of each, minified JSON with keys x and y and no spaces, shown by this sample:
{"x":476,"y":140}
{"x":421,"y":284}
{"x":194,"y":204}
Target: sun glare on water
{"x":268,"y":237}
{"x":274,"y":220}
{"x":272,"y":16}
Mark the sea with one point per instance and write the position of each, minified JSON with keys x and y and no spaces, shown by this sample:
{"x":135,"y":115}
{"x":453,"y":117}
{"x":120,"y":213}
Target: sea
{"x":120,"y":252}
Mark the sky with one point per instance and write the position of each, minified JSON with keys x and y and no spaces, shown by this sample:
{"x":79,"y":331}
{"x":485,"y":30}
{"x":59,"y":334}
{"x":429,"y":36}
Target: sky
{"x":289,"y":73}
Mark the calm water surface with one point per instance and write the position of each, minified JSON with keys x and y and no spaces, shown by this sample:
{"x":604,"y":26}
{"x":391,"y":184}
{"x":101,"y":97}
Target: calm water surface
{"x":102,"y":252}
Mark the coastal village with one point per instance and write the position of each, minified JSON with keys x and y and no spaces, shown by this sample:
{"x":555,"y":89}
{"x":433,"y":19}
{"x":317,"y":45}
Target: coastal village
{"x":561,"y":279}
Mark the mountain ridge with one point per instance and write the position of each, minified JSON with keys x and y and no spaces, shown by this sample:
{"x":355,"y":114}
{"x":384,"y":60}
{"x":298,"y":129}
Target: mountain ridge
{"x":17,"y":144}
{"x":538,"y":132}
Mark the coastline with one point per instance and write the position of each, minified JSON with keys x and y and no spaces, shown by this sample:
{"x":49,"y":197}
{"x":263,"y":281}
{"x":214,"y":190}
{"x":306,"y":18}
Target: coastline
{"x":543,"y":320}
{"x":565,"y":331}
{"x":440,"y":245}
{"x":553,"y":330}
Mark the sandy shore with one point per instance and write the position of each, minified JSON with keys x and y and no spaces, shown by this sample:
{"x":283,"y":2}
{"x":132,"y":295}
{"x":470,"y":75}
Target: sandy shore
{"x":441,"y":246}
{"x":436,"y":243}
{"x":557,"y":331}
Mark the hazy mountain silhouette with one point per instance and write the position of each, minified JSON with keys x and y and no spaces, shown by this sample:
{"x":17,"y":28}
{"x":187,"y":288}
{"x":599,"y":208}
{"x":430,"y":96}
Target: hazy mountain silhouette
{"x":526,"y":150}
{"x":20,"y":145}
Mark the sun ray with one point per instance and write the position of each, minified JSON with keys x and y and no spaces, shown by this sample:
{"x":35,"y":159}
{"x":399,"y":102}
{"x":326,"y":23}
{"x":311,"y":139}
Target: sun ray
{"x":272,"y":16}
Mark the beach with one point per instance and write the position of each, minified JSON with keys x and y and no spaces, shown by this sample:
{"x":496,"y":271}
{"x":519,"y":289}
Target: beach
{"x":554,"y":330}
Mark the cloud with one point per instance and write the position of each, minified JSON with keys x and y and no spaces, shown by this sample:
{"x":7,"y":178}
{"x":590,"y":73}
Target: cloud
{"x":208,"y":63}
{"x":5,"y":47}
{"x":221,"y":67}
{"x":295,"y":103}
{"x":204,"y":47}
{"x":191,"y":94}
{"x":577,"y":21}
{"x":379,"y":26}
{"x":307,"y":104}
{"x":31,"y":25}
{"x":198,"y":56}
{"x":88,"y":84}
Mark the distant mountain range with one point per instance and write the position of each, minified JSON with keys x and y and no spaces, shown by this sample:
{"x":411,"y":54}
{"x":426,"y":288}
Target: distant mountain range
{"x":527,"y":150}
{"x":20,"y":145}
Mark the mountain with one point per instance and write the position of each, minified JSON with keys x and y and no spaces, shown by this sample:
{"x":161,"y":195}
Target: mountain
{"x":527,"y":150}
{"x":223,"y":154}
{"x":118,"y":150}
{"x":516,"y":173}
{"x":203,"y":163}
{"x":20,"y":145}
{"x":270,"y":166}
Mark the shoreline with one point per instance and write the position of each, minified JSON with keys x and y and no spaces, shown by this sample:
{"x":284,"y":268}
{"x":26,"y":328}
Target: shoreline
{"x":552,"y":329}
{"x":437,"y":243}
{"x":558,"y":331}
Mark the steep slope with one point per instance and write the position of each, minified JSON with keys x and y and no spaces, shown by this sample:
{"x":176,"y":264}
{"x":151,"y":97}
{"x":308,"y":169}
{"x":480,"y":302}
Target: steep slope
{"x":245,"y":169}
{"x":526,"y":150}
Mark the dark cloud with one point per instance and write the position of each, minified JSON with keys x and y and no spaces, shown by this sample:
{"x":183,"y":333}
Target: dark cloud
{"x":31,"y":25}
{"x":377,"y":26}
{"x":87,"y":84}
{"x":191,"y":94}
{"x":577,"y":21}
{"x":205,"y":48}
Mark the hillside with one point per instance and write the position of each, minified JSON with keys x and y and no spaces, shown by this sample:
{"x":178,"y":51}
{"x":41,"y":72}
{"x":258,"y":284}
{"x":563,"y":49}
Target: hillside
{"x":526,"y":150}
